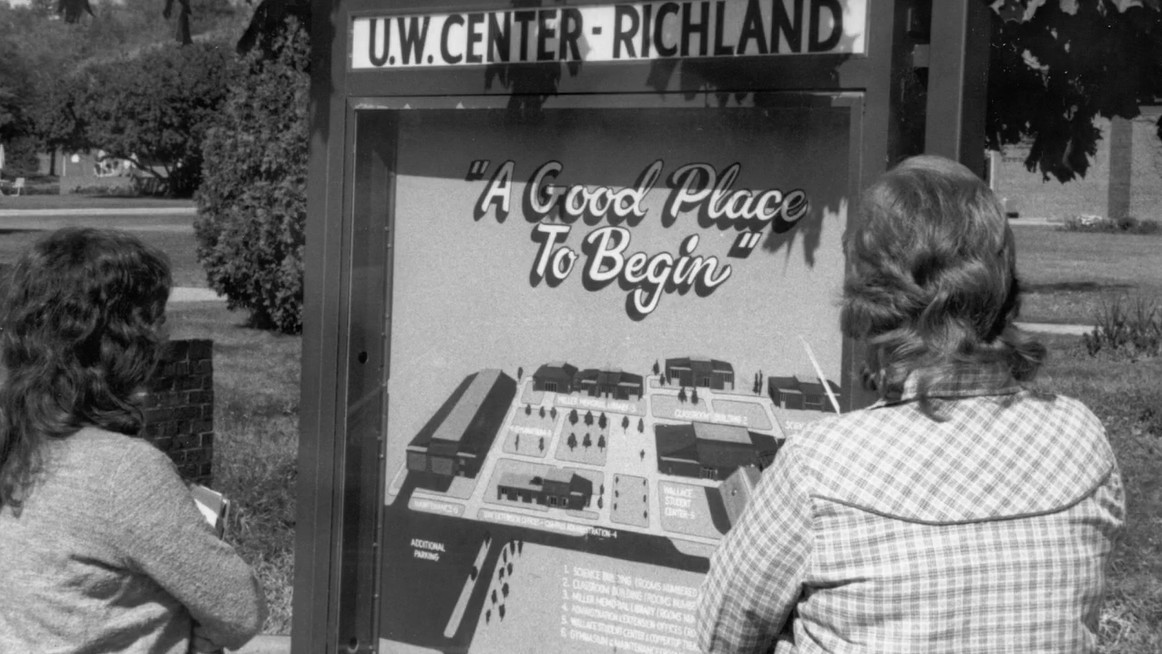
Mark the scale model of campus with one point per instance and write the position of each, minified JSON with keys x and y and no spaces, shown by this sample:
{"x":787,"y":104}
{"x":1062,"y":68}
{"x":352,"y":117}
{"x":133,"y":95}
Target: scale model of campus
{"x":674,"y":454}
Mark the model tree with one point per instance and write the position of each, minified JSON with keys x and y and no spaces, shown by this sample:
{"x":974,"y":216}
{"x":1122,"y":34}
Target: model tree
{"x":641,"y":426}
{"x":572,"y":442}
{"x":541,"y":444}
{"x":643,"y":455}
{"x":624,"y":423}
{"x":588,"y":418}
{"x":516,"y":442}
{"x":587,"y":442}
{"x":601,"y":421}
{"x":520,"y":372}
{"x":528,"y":410}
{"x":682,"y":394}
{"x":694,"y":395}
{"x":553,"y":413}
{"x":542,"y":413}
{"x":601,"y":442}
{"x":656,"y":368}
{"x":573,"y":417}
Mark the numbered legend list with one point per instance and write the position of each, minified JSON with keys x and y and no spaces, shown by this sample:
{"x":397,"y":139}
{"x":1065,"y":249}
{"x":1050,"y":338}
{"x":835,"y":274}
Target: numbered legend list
{"x":627,"y":612}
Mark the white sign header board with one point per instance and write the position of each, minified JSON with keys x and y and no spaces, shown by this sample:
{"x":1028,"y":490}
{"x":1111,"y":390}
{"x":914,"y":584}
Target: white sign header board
{"x":608,"y":33}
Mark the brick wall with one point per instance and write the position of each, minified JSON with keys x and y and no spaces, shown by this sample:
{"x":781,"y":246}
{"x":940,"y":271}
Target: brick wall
{"x":179,"y":407}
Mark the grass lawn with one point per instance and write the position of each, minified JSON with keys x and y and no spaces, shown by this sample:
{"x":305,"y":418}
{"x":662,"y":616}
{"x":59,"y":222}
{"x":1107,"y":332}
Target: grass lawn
{"x":180,"y":245}
{"x":256,"y":395}
{"x":75,"y":201}
{"x":1127,"y":396}
{"x":1067,"y":275}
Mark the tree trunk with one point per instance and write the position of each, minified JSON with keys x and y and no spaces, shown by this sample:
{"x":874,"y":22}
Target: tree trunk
{"x":1121,"y":166}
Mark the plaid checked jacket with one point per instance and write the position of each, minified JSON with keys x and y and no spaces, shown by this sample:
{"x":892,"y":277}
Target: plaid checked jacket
{"x":884,"y":530}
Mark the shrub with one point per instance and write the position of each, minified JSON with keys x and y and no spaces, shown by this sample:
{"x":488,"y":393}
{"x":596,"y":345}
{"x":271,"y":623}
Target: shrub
{"x":1100,"y":224}
{"x":252,"y":204}
{"x":1134,"y":333}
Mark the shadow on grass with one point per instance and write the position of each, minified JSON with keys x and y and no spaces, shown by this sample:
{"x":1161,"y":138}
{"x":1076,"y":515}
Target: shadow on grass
{"x":1074,"y":287}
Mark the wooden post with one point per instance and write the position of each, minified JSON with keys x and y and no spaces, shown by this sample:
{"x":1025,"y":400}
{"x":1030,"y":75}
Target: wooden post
{"x":1121,"y":168}
{"x":958,"y":82}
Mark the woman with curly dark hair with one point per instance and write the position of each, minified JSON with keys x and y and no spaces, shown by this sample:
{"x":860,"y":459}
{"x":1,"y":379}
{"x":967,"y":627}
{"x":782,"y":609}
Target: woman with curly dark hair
{"x":102,"y":549}
{"x":960,"y":513}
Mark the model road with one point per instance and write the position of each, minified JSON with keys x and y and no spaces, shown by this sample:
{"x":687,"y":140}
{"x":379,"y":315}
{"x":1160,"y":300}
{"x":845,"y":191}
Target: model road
{"x":418,"y":596}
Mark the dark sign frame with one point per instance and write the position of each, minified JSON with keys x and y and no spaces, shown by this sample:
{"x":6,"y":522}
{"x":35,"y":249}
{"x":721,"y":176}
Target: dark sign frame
{"x":348,"y":279}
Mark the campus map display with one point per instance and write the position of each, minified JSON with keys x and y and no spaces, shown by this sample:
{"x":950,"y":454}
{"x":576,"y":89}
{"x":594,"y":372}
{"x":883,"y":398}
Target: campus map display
{"x":604,"y":323}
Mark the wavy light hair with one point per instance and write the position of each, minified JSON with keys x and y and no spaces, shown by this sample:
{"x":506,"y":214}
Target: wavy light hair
{"x":81,"y":323}
{"x":932,"y":281}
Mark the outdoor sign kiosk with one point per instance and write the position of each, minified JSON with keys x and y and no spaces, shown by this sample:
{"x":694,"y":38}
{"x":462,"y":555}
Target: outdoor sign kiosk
{"x":572,"y":277}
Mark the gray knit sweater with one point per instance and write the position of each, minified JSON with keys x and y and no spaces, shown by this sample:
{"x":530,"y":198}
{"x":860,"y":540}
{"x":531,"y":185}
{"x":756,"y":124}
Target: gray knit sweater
{"x":110,"y":554}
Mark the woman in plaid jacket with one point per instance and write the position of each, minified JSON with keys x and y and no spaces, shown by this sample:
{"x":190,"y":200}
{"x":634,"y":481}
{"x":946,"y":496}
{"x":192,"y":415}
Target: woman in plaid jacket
{"x":960,"y":513}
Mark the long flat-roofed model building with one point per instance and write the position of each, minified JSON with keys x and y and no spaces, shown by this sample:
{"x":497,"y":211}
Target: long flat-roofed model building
{"x":700,"y":372}
{"x":456,"y":439}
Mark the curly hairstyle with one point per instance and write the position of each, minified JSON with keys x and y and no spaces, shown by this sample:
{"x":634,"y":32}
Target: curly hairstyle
{"x":81,"y":319}
{"x":932,"y":282}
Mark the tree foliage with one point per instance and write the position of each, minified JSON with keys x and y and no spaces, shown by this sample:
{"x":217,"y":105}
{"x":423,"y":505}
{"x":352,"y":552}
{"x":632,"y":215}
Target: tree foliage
{"x":16,"y":116}
{"x":252,"y":204}
{"x":44,"y":56}
{"x":153,"y":109}
{"x":1056,"y":65}
{"x":211,"y":14}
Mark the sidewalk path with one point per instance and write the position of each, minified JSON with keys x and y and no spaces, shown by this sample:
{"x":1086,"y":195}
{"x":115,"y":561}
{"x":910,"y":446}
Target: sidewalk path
{"x":266,"y":645}
{"x":179,"y":220}
{"x":1053,"y":328}
{"x":99,"y":211}
{"x":194,"y":294}
{"x":1034,"y":222}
